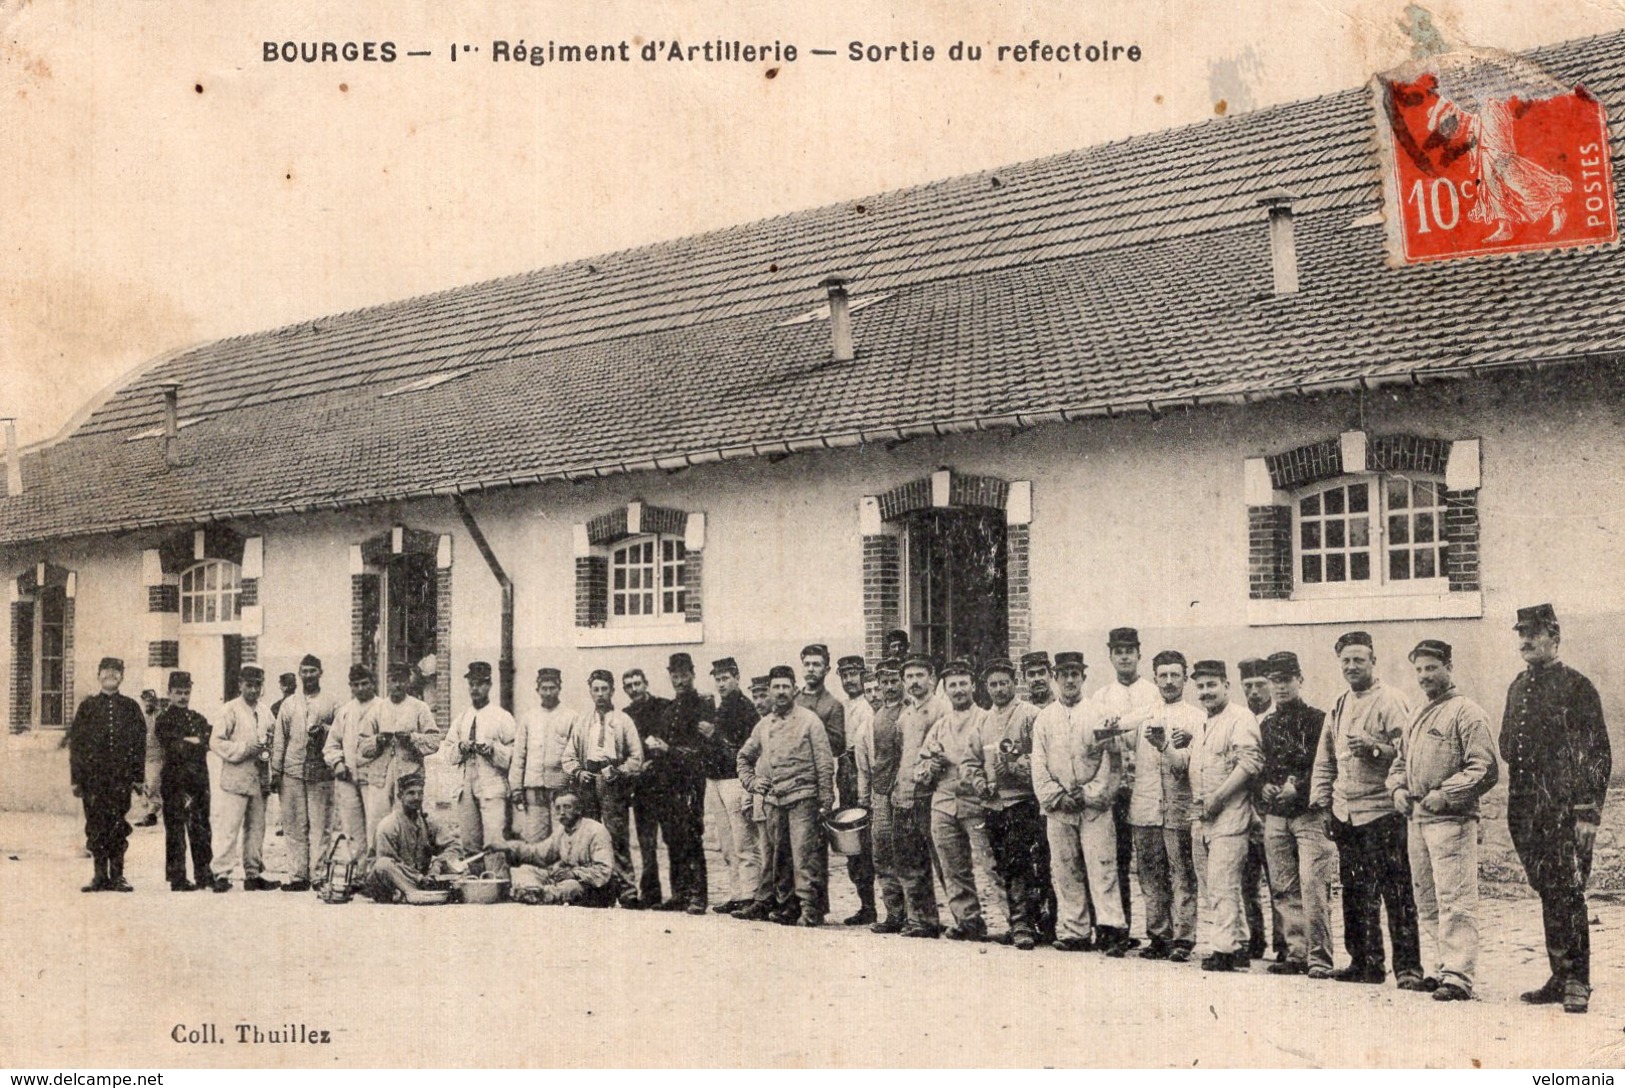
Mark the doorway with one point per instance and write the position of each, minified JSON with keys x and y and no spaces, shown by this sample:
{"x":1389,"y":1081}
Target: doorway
{"x":958,"y":596}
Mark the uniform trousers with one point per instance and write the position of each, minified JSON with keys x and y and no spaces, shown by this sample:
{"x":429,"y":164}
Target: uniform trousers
{"x":738,"y":839}
{"x":797,"y":825}
{"x":1017,"y":833}
{"x":481,"y":822}
{"x":1125,"y":853}
{"x":1374,"y":869}
{"x":1543,"y":835}
{"x":681,"y":801}
{"x":386,"y":879}
{"x":911,"y":855}
{"x":361,"y":806}
{"x":1444,"y":873}
{"x":1083,"y":863}
{"x":306,"y":809}
{"x":186,"y":817}
{"x":1220,"y":861}
{"x":1168,"y":883}
{"x":646,"y":805}
{"x":535,"y":821}
{"x":1302,"y":866}
{"x":534,"y":885}
{"x":1255,"y":882}
{"x":107,"y":832}
{"x":883,"y":836}
{"x":239,"y":834}
{"x":974,"y":890}
{"x":610,"y":803}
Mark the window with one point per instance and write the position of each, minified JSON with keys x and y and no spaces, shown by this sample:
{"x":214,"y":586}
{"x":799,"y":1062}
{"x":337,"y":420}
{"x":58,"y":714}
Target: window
{"x":210,"y":593}
{"x":42,"y":621}
{"x":648,"y":579}
{"x":1358,"y":534}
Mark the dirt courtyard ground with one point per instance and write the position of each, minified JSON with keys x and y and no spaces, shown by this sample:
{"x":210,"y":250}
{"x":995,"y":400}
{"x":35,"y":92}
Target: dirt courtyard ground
{"x":110,"y":980}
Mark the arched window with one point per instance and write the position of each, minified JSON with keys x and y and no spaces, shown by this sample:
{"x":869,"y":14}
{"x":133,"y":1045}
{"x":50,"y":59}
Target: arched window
{"x":1369,"y":532}
{"x":648,"y":578}
{"x":211,"y":593}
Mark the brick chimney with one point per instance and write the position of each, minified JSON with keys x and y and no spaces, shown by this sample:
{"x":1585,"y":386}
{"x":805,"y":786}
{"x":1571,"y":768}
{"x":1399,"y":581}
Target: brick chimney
{"x":171,"y":392}
{"x":14,"y":463}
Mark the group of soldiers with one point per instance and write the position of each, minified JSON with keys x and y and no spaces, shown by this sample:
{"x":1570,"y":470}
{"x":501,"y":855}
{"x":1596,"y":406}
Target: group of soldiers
{"x":1033,"y":806}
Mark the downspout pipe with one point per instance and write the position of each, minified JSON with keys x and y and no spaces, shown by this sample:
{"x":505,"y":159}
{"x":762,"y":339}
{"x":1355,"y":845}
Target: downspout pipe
{"x":505,"y":662}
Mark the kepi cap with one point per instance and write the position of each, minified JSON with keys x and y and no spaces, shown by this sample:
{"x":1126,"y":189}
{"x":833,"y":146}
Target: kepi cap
{"x":1432,"y":647}
{"x":999,"y":664}
{"x":1282,"y":663}
{"x":957,"y":667}
{"x":1352,"y":638}
{"x":360,"y":672}
{"x":920,"y":660}
{"x":111,"y":663}
{"x":311,"y":660}
{"x":548,"y":672}
{"x":1035,"y":659}
{"x":179,"y":680}
{"x":478,"y":670}
{"x":758,"y":683}
{"x":1210,"y":667}
{"x":1536,"y":615}
{"x":889,"y":665}
{"x":1069,"y":659}
{"x":850,"y":663}
{"x":399,"y":671}
{"x":724,"y":665}
{"x":251,"y":672}
{"x":1122,"y":636}
{"x":1251,"y":668}
{"x":679,"y":662}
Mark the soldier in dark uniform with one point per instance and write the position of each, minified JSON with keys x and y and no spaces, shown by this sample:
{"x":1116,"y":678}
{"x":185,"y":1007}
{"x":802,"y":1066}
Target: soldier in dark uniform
{"x":1555,"y":744}
{"x":645,"y":709}
{"x":183,"y":734}
{"x":107,"y":753}
{"x":674,"y":771}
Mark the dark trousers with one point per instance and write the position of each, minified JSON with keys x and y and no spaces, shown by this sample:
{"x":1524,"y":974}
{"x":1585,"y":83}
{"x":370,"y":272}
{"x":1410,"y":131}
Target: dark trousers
{"x":186,"y":820}
{"x":646,"y":806}
{"x":1125,"y":854}
{"x":107,"y":832}
{"x":1048,"y":909}
{"x":681,"y":803}
{"x":1374,"y":868}
{"x":911,"y":854}
{"x":1544,"y":839}
{"x":1017,"y":834}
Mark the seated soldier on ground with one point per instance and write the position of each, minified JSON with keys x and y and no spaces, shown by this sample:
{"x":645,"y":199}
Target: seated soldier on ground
{"x":574,"y":865}
{"x":412,"y":847}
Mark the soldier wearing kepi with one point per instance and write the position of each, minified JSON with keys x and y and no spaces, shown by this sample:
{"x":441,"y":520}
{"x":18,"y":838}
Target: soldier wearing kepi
{"x":604,"y":759}
{"x":1555,"y":744}
{"x":787,"y":762}
{"x":1127,"y":700}
{"x":360,"y":777}
{"x":183,"y":738}
{"x":950,"y":765}
{"x":1160,"y":814}
{"x":1224,"y":761}
{"x":1014,"y":824}
{"x":1075,"y":773}
{"x":860,"y":716}
{"x":832,"y":712}
{"x":107,"y":752}
{"x":878,"y":752}
{"x":727,"y":806}
{"x":407,"y":730}
{"x":1445,"y":765}
{"x":1302,"y":860}
{"x":300,"y":774}
{"x":1255,"y":878}
{"x":480,"y":745}
{"x":242,"y":740}
{"x":539,"y":747}
{"x":1035,"y":672}
{"x":1362,"y":735}
{"x":674,"y":772}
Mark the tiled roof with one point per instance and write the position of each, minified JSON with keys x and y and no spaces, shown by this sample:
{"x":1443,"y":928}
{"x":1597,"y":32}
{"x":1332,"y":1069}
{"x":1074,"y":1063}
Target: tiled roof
{"x":1099,"y":280}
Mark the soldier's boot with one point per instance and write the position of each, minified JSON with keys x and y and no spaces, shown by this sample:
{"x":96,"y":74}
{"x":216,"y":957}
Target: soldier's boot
{"x":115,"y":875}
{"x":99,"y":881}
{"x":866,"y":911}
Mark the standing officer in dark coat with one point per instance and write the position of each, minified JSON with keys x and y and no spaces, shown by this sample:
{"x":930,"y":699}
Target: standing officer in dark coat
{"x":107,"y":753}
{"x":674,"y":771}
{"x":1555,"y":744}
{"x":183,"y":734}
{"x":647,"y":795}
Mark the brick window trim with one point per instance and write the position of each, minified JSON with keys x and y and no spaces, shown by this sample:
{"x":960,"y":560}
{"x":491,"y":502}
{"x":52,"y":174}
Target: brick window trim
{"x":23,"y":711}
{"x":597,"y":539}
{"x":1272,"y":556}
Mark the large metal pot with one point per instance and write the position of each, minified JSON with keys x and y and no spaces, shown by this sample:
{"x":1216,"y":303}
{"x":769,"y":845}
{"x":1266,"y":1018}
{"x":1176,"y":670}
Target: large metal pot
{"x":846,"y":829}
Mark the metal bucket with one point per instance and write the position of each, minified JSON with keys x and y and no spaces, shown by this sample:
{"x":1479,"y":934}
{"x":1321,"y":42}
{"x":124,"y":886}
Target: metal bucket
{"x":846,"y":829}
{"x":483,"y":890}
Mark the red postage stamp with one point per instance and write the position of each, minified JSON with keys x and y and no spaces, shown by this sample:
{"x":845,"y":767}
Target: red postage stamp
{"x":1484,"y":153}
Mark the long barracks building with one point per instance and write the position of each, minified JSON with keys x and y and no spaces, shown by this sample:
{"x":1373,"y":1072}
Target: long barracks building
{"x":1048,"y":400}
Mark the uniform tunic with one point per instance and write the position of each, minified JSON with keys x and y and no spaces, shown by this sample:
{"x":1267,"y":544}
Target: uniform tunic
{"x":183,"y":741}
{"x":586,"y":852}
{"x":107,"y":752}
{"x":242,"y":735}
{"x":537,"y":770}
